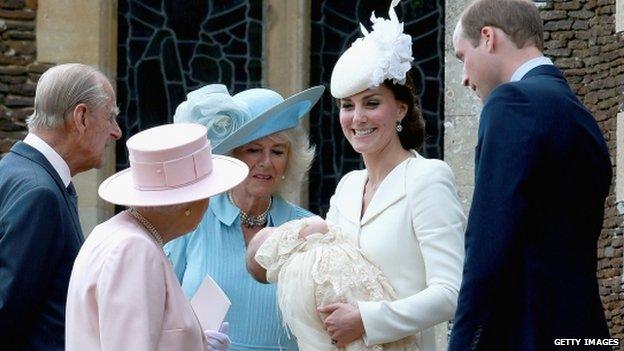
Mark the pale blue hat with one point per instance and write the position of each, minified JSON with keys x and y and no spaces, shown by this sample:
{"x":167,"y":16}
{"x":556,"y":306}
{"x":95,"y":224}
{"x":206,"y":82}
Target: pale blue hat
{"x":252,"y":114}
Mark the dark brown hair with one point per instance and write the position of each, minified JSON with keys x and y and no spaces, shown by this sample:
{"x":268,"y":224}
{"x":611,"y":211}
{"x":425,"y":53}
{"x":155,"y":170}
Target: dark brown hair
{"x":519,"y":19}
{"x":413,"y":134}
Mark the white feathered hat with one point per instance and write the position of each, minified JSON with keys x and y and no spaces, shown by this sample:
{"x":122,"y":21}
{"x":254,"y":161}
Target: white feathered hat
{"x":384,"y":53}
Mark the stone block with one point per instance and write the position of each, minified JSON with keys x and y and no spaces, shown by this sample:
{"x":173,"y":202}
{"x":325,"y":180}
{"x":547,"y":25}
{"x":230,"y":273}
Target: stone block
{"x":19,"y":135}
{"x":39,"y":67}
{"x":555,"y":44}
{"x":558,"y":25}
{"x":584,"y":35}
{"x":568,"y":5}
{"x":19,"y":35}
{"x":18,"y":101}
{"x":5,"y":145}
{"x":19,"y":115}
{"x":552,"y":15}
{"x":558,"y":52}
{"x":22,"y":47}
{"x":27,"y":14}
{"x":15,"y":60}
{"x":582,"y":14}
{"x":19,"y":25}
{"x":608,"y":252}
{"x":27,"y":89}
{"x":13,"y":79}
{"x":12,"y":70}
{"x":569,"y":62}
{"x":566,"y":35}
{"x":12,"y":4}
{"x":580,"y":25}
{"x":610,"y":47}
{"x":590,"y":4}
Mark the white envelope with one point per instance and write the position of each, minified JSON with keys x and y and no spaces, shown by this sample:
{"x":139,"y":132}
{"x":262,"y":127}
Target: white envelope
{"x":210,"y":304}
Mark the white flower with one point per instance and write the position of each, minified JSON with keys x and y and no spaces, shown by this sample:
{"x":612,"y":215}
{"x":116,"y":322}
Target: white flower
{"x":395,"y":48}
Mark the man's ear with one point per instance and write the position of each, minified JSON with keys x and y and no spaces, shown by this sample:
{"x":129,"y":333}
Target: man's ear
{"x":78,"y":118}
{"x":488,"y":36}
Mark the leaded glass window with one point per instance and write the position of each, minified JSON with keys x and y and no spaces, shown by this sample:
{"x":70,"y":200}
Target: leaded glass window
{"x":168,"y":48}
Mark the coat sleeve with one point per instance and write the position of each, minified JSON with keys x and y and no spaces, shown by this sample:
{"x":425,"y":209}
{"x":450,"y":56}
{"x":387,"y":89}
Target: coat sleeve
{"x":438,"y":225}
{"x":505,"y":158}
{"x":31,"y":242}
{"x":131,"y":293}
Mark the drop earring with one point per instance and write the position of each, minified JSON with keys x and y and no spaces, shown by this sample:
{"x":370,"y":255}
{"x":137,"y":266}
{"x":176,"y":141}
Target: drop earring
{"x":187,"y":212}
{"x":399,"y":127}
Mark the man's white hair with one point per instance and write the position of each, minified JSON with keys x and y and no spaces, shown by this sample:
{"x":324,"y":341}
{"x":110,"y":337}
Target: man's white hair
{"x":63,"y":87}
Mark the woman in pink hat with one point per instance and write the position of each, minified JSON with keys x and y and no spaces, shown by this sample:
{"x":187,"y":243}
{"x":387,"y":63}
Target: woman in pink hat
{"x":123,"y":294}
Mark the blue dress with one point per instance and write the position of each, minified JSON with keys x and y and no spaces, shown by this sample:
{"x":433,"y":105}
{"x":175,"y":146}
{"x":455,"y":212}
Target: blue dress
{"x":217,"y":248}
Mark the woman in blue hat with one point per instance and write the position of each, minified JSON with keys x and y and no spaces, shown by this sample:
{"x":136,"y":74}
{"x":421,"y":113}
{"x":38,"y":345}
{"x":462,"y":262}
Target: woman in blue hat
{"x":260,"y":128}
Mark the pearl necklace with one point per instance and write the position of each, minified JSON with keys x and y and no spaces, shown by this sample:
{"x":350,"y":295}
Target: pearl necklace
{"x":251,"y":221}
{"x":147,"y":225}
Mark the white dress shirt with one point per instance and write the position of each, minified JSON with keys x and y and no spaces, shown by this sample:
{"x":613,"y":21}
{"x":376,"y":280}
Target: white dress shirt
{"x":57,"y":162}
{"x":529,"y":65}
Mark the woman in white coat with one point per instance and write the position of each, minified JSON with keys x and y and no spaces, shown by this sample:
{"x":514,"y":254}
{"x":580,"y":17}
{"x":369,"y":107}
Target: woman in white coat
{"x":408,"y":220}
{"x":402,"y":210}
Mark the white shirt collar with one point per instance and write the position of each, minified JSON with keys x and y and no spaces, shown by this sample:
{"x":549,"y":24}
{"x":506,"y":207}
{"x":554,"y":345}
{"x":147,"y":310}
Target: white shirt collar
{"x":529,"y":65}
{"x":57,"y":162}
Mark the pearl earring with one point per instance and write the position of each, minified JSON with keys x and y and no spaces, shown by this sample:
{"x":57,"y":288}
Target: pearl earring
{"x":283,"y":177}
{"x":399,"y":127}
{"x":187,"y":212}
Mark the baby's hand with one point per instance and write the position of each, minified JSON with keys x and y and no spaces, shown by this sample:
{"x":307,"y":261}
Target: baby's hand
{"x":314,"y":225}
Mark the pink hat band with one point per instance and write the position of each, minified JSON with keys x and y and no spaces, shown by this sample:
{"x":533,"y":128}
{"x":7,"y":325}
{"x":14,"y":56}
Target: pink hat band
{"x":165,"y":170}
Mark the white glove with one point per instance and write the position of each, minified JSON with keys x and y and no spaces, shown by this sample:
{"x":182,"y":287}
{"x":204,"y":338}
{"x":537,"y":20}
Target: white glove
{"x":217,"y":340}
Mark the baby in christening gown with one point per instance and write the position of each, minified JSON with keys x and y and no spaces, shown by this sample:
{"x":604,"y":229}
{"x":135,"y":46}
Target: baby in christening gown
{"x":315,"y":270}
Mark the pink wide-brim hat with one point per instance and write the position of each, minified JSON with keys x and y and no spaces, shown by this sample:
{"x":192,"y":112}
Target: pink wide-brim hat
{"x":172,"y":164}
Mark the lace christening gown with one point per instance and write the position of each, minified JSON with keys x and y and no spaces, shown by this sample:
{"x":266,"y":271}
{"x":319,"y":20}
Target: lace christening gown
{"x":317,"y":271}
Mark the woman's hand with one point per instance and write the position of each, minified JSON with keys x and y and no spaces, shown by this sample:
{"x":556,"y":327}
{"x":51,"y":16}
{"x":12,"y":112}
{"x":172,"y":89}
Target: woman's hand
{"x":314,"y":225}
{"x":217,"y":340}
{"x":344,"y":323}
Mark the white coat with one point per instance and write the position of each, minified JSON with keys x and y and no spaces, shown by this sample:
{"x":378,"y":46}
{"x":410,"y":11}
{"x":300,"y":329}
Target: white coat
{"x":413,"y":230}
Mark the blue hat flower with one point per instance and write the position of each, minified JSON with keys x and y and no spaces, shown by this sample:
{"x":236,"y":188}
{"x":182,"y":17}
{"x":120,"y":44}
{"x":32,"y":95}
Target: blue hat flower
{"x":236,"y":120}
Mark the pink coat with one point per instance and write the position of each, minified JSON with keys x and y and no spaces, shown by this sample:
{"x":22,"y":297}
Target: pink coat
{"x":123,"y":294}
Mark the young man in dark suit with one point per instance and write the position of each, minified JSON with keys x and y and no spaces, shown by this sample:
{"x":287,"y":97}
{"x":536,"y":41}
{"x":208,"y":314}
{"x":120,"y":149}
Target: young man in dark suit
{"x":542,"y":174}
{"x":73,"y":122}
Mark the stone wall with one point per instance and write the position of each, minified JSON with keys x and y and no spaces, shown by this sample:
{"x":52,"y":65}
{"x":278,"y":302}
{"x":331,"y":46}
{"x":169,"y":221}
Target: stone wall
{"x":19,"y":71}
{"x":581,"y":40}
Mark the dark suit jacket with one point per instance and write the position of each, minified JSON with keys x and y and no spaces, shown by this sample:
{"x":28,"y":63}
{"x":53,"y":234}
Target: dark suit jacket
{"x":542,"y":175}
{"x":40,"y":237}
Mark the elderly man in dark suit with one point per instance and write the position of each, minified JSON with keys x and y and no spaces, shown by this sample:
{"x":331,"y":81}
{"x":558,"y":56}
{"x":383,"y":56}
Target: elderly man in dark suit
{"x":73,"y":122}
{"x":542,"y":174}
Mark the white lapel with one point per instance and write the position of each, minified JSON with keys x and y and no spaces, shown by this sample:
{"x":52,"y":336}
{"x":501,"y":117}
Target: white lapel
{"x":391,"y":190}
{"x":349,"y":200}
